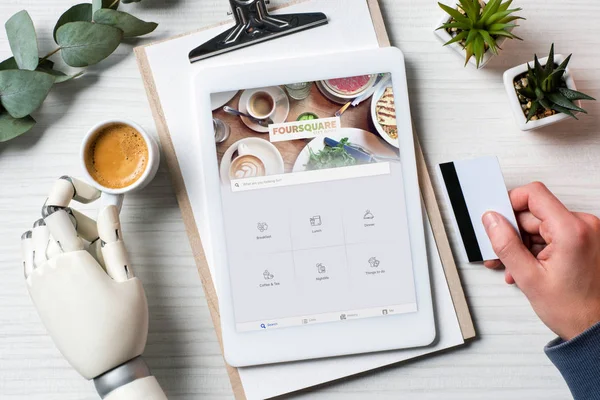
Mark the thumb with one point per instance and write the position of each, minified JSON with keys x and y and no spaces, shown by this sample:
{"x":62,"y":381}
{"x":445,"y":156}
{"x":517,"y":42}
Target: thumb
{"x":507,"y":245}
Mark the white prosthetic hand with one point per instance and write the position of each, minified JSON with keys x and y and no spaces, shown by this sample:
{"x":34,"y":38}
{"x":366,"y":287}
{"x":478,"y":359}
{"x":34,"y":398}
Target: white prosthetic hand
{"x":82,"y":285}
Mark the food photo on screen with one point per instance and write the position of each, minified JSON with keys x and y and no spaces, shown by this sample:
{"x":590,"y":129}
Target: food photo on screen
{"x":305,"y":126}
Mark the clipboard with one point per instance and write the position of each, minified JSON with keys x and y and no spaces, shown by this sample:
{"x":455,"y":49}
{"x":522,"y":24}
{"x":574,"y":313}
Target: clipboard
{"x":450,"y":269}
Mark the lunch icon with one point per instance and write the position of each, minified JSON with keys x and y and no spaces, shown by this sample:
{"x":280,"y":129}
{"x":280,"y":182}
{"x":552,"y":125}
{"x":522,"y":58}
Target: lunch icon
{"x":369,"y":215}
{"x":315,"y":221}
{"x":267,"y":275}
{"x":262,"y":226}
{"x":374,"y":262}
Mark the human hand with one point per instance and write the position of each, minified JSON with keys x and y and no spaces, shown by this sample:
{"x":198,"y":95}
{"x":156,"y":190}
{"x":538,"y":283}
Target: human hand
{"x":557,"y":265}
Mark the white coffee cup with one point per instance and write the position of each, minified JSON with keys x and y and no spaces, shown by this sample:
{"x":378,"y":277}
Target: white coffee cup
{"x":246,"y":164}
{"x":261,"y":104}
{"x":111,"y":196}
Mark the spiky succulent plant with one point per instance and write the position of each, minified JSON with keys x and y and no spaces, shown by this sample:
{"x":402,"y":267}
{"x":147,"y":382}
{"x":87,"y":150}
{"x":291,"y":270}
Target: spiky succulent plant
{"x":479,"y":25}
{"x":547,"y":89}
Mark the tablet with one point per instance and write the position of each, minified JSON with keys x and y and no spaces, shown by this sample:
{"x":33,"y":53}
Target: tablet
{"x":314,"y":207}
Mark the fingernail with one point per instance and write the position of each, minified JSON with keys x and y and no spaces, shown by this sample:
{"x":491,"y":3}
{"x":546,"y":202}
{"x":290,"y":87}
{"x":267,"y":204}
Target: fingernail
{"x":490,"y":220}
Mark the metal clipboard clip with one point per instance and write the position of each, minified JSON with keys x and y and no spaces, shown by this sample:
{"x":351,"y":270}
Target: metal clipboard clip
{"x":254,"y":25}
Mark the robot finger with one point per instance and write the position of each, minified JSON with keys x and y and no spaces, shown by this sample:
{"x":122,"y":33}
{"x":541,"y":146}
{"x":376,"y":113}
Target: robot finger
{"x":41,"y":240}
{"x":66,"y":189}
{"x":85,"y":226}
{"x":53,"y":249}
{"x":95,"y":249}
{"x":113,"y":248}
{"x":27,"y":253}
{"x":62,"y":228}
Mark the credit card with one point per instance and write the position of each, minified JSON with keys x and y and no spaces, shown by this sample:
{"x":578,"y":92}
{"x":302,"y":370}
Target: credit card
{"x":473,"y":187}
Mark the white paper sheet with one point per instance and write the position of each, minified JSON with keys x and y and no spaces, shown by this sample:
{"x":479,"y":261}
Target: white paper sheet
{"x":350,"y":28}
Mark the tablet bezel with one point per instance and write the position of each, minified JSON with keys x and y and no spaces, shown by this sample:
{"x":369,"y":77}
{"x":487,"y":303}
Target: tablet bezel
{"x":327,"y":339}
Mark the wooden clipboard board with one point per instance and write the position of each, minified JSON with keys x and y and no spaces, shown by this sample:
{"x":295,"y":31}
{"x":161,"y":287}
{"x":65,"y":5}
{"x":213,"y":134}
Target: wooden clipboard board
{"x":458,"y":297}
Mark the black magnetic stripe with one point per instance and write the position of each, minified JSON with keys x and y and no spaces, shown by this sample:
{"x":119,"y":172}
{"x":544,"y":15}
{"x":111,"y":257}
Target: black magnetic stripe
{"x":461,"y":212}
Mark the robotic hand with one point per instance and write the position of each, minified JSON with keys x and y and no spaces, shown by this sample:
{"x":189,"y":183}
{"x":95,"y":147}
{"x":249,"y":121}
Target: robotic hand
{"x":86,"y":295}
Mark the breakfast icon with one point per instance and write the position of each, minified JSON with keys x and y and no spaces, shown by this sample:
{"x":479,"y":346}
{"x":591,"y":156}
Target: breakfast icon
{"x":321,"y":269}
{"x":267,"y":275}
{"x":374,"y":262}
{"x":262,"y":227}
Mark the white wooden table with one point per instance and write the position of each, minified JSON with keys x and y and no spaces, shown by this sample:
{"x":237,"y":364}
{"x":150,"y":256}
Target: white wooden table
{"x":459,"y":113}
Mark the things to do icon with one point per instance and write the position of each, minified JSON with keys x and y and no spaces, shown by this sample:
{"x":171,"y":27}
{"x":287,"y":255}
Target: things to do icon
{"x":374,"y":262}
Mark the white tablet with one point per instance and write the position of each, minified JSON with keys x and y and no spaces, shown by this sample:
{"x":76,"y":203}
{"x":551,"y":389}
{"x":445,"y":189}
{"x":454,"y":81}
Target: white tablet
{"x":314,"y":207}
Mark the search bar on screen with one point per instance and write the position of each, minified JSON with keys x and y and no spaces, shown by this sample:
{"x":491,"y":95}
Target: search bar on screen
{"x":306,"y":177}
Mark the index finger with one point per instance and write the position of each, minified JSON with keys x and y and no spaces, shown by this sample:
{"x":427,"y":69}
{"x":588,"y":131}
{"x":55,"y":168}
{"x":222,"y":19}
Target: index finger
{"x":539,"y":200}
{"x":68,"y":188}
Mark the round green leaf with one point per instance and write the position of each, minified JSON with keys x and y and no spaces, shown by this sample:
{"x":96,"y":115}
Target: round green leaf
{"x":130,"y":25}
{"x":11,"y":127}
{"x":86,"y":43}
{"x":96,"y":5}
{"x":79,"y":12}
{"x":9,"y":63}
{"x":22,"y":92}
{"x":22,"y":40}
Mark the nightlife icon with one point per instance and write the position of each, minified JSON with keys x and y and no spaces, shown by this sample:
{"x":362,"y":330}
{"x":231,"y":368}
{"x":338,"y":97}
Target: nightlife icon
{"x":374,"y":262}
{"x":321,"y":268}
{"x":262,"y":226}
{"x":315,"y":221}
{"x":368,"y":215}
{"x":343,"y":317}
{"x":268,"y":276}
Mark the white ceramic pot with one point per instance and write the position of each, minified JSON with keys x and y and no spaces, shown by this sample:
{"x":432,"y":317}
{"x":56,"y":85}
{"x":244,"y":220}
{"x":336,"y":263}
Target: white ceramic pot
{"x":444,"y":37}
{"x":515,"y":105}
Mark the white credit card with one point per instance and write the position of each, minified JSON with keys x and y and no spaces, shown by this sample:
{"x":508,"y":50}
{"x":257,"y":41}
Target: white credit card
{"x":472,"y":188}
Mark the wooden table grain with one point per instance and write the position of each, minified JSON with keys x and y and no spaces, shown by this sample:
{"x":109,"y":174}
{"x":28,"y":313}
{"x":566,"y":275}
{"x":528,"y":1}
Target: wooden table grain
{"x":458,"y":113}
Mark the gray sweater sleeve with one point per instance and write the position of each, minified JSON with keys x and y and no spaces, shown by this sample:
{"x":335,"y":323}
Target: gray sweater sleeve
{"x":578,"y":360}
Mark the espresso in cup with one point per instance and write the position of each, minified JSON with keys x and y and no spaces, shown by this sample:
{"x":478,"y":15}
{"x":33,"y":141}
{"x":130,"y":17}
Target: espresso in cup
{"x":261,"y":105}
{"x":117,"y":156}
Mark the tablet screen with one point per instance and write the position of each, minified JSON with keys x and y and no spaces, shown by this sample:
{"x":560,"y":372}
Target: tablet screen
{"x":313,"y":203}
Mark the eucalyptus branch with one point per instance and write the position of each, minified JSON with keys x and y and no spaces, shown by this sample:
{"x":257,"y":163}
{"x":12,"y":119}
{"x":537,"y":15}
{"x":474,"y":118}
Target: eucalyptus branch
{"x":86,"y":34}
{"x":51,"y":54}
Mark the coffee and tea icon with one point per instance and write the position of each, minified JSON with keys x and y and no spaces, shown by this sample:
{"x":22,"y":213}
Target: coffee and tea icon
{"x":267,"y":275}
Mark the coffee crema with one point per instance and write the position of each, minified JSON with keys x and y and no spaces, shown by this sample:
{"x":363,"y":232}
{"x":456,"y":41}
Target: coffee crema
{"x":261,"y":104}
{"x":117,"y":156}
{"x":247,"y":166}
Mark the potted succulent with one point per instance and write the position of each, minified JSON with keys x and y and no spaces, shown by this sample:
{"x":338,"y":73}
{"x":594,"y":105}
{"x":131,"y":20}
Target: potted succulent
{"x":477,"y":29}
{"x":544,"y":93}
